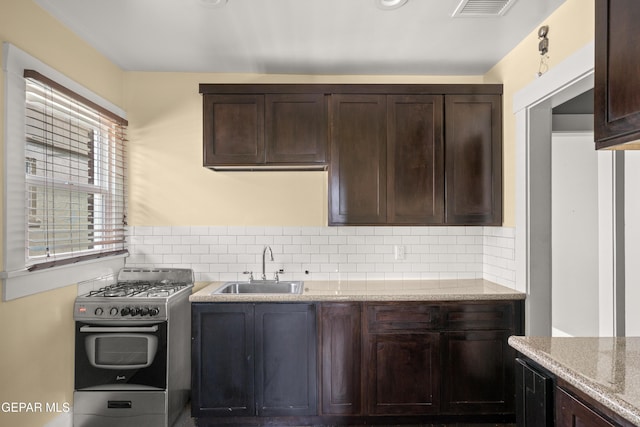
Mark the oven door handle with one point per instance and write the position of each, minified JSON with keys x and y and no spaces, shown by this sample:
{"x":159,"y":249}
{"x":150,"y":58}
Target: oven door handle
{"x":88,"y":328}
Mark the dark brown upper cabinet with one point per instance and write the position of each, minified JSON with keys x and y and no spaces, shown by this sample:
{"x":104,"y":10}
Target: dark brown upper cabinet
{"x":271,"y":131}
{"x":358,"y":175}
{"x":387,"y":159}
{"x":296,"y":129}
{"x":617,"y":79}
{"x":416,"y":158}
{"x":473,"y":153}
{"x":233,"y":130}
{"x":398,"y":154}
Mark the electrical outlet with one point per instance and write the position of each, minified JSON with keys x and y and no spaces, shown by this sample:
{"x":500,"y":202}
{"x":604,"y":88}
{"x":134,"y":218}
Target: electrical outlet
{"x":399,"y":252}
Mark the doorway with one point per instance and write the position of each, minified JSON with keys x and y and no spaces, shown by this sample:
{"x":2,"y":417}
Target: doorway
{"x":534,"y":240}
{"x":574,"y":234}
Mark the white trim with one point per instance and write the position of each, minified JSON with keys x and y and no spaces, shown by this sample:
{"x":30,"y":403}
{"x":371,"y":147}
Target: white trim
{"x":532,"y":108}
{"x":606,"y":243}
{"x":555,"y":332}
{"x":15,"y":60}
{"x":573,"y":70}
{"x":17,"y":282}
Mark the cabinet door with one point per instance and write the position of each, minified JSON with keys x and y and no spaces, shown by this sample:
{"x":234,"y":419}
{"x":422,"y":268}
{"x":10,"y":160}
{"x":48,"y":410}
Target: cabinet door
{"x":222,"y":360}
{"x":233,"y":130}
{"x":341,"y":358}
{"x":415,"y":160}
{"x":617,"y":60}
{"x":286,"y":365}
{"x":570,"y":412}
{"x":478,"y":368}
{"x":403,"y":374}
{"x":296,"y":128}
{"x":473,"y":159}
{"x":358,"y":172}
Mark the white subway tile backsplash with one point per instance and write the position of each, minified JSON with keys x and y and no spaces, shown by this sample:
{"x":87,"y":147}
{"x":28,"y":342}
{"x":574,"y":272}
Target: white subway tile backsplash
{"x":392,"y":240}
{"x":447,"y":240}
{"x":246,"y":240}
{"x":329,"y":253}
{"x":499,"y":255}
{"x":153,"y":240}
{"x":166,"y":230}
{"x":383,"y":231}
{"x":227,"y":240}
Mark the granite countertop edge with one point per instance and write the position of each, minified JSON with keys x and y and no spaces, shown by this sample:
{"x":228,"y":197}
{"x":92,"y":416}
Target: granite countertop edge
{"x":583,"y":383}
{"x":377,"y":291}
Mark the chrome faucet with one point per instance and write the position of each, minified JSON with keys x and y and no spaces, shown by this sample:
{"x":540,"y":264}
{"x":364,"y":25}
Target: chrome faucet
{"x":264,"y":253}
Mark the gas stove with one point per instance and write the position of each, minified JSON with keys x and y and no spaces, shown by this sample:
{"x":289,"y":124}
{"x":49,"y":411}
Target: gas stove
{"x":139,"y":294}
{"x":132,"y":349}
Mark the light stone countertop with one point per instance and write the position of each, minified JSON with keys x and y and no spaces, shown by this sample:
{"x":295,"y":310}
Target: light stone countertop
{"x":374,"y":290}
{"x":606,"y":369}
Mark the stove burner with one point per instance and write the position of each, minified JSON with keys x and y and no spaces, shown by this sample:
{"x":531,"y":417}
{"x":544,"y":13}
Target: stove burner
{"x":114,"y":292}
{"x":138,"y":289}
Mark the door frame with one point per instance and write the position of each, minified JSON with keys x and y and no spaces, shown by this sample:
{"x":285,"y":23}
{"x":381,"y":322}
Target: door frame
{"x":532,"y":109}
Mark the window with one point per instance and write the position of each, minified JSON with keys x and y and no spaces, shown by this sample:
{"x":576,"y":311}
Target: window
{"x":74,"y":176}
{"x":64,"y":175}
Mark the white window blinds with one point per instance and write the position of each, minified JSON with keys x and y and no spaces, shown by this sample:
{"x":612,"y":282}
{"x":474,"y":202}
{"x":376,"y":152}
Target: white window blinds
{"x":75,"y":169}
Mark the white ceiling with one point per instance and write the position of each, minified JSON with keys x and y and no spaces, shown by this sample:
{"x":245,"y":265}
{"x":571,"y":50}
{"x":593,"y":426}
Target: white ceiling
{"x":299,"y":36}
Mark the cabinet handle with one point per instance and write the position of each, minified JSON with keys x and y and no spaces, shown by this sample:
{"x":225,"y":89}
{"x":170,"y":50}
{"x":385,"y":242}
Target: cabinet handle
{"x":119,"y":404}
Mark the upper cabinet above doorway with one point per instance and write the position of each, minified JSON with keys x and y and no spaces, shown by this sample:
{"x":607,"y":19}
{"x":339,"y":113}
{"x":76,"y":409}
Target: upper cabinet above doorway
{"x":617,"y":75}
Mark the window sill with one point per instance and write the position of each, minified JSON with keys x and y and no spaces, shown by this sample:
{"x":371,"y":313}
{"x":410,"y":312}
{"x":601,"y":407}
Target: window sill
{"x":22,"y":283}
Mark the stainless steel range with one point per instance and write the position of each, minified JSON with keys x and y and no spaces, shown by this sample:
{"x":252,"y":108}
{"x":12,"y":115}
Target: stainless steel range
{"x":132,"y":350}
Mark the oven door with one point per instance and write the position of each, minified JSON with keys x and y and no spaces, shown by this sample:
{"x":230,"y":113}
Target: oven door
{"x":121,"y":357}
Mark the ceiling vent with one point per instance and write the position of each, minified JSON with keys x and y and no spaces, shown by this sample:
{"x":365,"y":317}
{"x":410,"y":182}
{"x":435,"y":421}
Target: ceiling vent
{"x":472,"y":8}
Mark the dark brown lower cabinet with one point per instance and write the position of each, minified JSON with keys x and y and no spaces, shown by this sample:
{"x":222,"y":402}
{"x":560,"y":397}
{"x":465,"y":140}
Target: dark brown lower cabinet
{"x":575,"y":409}
{"x":570,"y":412}
{"x":403,"y":374}
{"x":222,"y":353}
{"x":285,"y":363}
{"x":341,"y":358}
{"x":254,"y":360}
{"x":478,"y":369}
{"x":439,"y":360}
{"x":379,"y":362}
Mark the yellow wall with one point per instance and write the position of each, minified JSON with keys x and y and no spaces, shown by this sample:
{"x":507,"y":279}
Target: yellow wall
{"x":36,"y":333}
{"x":571,"y":27}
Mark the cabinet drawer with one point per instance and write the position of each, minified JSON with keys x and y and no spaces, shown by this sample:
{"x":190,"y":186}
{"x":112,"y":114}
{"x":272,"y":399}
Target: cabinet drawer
{"x":402,"y":317}
{"x":570,"y":412}
{"x":478,"y":316}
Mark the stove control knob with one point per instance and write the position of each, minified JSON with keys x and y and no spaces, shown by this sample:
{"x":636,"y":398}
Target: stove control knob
{"x":99,"y":311}
{"x":144,"y":311}
{"x":125,"y":311}
{"x":113,"y":311}
{"x":135,"y":311}
{"x":154,"y":311}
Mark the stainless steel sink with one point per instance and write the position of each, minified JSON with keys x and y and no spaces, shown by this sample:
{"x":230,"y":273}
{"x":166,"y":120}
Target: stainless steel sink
{"x":261,"y":287}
